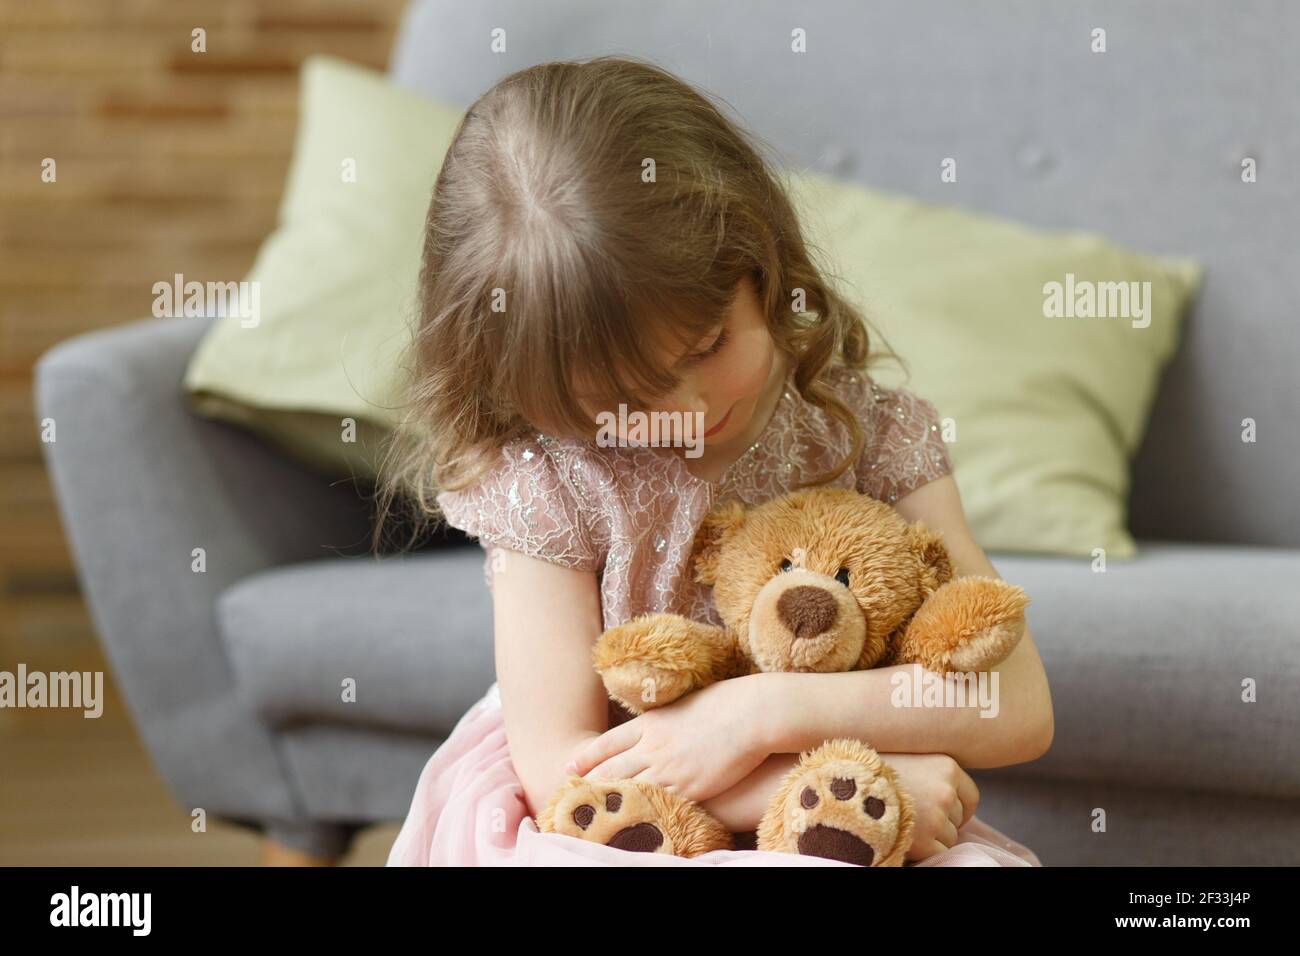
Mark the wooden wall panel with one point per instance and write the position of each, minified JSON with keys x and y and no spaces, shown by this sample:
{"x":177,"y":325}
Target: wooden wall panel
{"x":168,"y":161}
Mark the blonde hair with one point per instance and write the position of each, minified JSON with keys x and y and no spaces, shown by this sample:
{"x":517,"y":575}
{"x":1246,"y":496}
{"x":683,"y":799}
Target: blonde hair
{"x":615,"y":209}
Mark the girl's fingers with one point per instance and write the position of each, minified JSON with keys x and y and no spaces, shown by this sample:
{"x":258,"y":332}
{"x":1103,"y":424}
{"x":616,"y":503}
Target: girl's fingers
{"x":620,"y":767}
{"x":644,"y":774}
{"x":957,"y":813}
{"x":611,"y":742}
{"x":947,"y":835}
{"x":934,"y":848}
{"x":969,"y":795}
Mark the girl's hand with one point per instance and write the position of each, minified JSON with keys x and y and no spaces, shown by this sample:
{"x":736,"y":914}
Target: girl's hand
{"x":945,"y":798}
{"x":698,"y":747}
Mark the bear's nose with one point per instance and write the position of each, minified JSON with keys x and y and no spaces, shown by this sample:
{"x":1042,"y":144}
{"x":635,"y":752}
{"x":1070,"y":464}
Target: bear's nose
{"x":806,"y":610}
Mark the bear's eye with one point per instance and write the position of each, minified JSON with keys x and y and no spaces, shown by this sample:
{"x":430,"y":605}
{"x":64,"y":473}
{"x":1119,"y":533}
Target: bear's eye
{"x":842,"y":575}
{"x":786,"y":565}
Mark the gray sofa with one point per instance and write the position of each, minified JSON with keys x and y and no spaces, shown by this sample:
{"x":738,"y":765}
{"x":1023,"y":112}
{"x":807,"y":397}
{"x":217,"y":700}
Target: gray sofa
{"x":232,"y":675}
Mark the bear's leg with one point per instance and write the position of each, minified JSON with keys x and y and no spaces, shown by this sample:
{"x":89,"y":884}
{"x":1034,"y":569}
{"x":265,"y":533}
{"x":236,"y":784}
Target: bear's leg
{"x":840,"y":801}
{"x":655,"y":659}
{"x":632,"y":815}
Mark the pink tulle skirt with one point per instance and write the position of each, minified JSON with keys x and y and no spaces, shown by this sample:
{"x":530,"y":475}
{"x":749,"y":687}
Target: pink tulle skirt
{"x":469,"y":810}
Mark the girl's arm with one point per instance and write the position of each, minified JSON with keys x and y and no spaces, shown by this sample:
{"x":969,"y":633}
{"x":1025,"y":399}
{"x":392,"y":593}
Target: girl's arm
{"x":810,"y":708}
{"x":546,"y":619}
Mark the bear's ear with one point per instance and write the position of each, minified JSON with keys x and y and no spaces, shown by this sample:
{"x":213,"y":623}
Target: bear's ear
{"x":719,"y":525}
{"x":932,"y":555}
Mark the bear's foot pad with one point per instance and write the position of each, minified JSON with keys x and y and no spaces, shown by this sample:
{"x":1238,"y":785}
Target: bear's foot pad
{"x":840,"y":809}
{"x":616,"y":813}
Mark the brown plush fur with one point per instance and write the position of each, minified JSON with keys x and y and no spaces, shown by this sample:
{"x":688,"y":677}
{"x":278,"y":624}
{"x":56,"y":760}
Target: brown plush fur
{"x":779,"y":575}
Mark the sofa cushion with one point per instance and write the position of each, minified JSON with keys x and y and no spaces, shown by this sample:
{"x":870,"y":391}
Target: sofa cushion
{"x":1147,"y":660}
{"x":1042,"y":411}
{"x":317,"y":371}
{"x":414,"y":632}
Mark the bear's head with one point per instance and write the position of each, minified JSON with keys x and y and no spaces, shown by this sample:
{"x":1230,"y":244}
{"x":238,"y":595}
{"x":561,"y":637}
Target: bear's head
{"x":819,"y":579}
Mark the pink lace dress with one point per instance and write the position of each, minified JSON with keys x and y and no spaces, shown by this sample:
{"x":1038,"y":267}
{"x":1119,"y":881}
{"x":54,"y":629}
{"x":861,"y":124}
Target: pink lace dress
{"x":630,"y":515}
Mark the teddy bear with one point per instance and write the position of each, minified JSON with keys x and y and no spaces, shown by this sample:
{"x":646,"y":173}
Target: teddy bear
{"x":818,"y":580}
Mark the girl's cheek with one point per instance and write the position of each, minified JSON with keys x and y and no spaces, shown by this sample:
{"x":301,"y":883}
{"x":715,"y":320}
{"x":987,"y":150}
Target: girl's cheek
{"x":747,"y":376}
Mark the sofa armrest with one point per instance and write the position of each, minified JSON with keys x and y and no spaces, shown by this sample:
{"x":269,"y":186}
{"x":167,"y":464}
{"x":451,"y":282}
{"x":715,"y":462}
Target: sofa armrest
{"x":141,"y":482}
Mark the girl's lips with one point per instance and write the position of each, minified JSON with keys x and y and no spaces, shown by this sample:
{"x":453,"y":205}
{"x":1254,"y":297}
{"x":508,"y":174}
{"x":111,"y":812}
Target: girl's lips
{"x":718,"y":427}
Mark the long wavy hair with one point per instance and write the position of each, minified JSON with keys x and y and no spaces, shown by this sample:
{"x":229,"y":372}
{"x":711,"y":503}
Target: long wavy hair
{"x":612,"y":210}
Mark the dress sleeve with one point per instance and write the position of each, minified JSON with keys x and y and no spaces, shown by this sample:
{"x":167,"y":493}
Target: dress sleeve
{"x":904,"y":447}
{"x":527,"y":503}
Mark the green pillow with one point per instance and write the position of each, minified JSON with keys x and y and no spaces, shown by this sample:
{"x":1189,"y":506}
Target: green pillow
{"x":338,"y":276}
{"x":1045,"y":413}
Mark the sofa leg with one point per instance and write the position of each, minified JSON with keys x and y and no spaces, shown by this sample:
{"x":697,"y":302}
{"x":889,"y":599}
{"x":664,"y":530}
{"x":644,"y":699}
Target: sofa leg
{"x":275,"y":853}
{"x":305,"y":843}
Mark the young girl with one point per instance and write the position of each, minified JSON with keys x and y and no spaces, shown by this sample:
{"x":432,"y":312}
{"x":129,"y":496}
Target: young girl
{"x":601,"y":235}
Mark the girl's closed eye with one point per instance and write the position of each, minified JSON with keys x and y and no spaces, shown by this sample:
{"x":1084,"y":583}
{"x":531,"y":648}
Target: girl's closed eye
{"x":718,"y":344}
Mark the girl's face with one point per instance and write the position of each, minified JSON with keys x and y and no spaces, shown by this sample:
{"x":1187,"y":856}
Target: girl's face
{"x":725,"y":377}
